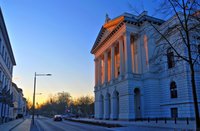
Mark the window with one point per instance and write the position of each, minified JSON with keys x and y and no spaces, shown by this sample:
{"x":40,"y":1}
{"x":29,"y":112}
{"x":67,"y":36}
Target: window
{"x":173,"y":90}
{"x":174,"y":112}
{"x":3,"y":51}
{"x":5,"y":58}
{"x":199,"y":48}
{"x":170,"y":58}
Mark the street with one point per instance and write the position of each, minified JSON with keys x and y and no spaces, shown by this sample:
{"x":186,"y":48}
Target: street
{"x":47,"y":124}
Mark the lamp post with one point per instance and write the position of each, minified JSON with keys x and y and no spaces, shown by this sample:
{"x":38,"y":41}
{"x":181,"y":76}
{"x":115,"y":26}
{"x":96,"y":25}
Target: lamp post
{"x":34,"y":93}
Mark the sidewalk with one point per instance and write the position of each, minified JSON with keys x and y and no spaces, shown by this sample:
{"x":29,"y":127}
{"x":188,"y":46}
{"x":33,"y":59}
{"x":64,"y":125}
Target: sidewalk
{"x":160,"y":125}
{"x":9,"y":125}
{"x":26,"y":125}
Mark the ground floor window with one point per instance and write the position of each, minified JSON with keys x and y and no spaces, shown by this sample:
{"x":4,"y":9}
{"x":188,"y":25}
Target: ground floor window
{"x":174,"y":112}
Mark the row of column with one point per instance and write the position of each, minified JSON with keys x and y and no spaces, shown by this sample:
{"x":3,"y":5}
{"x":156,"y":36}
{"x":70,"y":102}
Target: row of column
{"x":125,"y":67}
{"x":108,"y":107}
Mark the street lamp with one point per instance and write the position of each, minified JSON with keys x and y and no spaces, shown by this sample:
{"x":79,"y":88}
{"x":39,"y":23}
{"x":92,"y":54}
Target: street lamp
{"x":34,"y":93}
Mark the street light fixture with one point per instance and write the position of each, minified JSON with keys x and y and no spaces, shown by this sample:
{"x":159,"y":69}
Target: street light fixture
{"x":34,"y":93}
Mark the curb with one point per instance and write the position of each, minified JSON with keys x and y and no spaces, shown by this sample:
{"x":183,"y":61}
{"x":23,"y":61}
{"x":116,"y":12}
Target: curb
{"x":16,"y":125}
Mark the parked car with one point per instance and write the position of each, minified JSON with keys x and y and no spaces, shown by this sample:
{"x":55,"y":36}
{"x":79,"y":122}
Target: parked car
{"x":19,"y":116}
{"x":57,"y":118}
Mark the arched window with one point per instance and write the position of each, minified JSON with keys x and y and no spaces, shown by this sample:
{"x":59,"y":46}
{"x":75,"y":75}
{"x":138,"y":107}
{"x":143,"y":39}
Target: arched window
{"x":170,"y":58}
{"x":173,"y":90}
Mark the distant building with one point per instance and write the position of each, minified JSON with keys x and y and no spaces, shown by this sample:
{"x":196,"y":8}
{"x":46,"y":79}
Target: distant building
{"x":15,"y":100}
{"x":19,"y":102}
{"x":127,"y":85}
{"x":7,"y":61}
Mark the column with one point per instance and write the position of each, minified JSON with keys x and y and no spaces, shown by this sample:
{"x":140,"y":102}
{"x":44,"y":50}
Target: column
{"x":99,"y":72}
{"x":113,"y":108}
{"x":105,"y":67}
{"x":121,"y":52}
{"x":128,"y":60}
{"x":96,"y":72}
{"x":139,"y":54}
{"x":106,"y":114}
{"x":112,"y":63}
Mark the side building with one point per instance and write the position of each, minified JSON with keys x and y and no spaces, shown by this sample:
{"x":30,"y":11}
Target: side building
{"x":128,"y":85}
{"x":19,"y":102}
{"x":7,"y":61}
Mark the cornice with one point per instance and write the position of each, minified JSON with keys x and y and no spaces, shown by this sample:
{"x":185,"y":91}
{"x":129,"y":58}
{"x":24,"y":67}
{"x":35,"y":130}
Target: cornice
{"x":6,"y":37}
{"x":126,"y":20}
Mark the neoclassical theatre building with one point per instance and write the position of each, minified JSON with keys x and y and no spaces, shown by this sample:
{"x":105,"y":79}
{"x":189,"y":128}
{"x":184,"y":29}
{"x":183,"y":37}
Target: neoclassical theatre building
{"x":127,"y":86}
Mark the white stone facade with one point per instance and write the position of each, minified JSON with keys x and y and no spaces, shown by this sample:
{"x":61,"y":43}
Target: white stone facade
{"x":7,"y":61}
{"x":127,"y":85}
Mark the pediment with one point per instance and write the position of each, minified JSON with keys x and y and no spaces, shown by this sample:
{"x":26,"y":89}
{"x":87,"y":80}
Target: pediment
{"x":110,"y":26}
{"x":106,"y":29}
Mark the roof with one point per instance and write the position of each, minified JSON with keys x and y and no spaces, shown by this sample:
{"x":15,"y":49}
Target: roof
{"x":112,"y":26}
{"x":6,"y":37}
{"x":19,"y":90}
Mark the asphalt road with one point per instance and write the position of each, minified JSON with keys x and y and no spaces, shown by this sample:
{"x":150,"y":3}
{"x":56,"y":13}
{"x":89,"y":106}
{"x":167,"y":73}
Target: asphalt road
{"x":47,"y":124}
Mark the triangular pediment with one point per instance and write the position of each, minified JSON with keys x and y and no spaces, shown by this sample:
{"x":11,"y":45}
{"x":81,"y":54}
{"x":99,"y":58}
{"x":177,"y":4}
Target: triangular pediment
{"x":107,"y":28}
{"x":110,"y":26}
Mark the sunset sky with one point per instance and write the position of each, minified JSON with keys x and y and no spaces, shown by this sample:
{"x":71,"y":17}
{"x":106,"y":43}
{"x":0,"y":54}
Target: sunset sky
{"x":56,"y":36}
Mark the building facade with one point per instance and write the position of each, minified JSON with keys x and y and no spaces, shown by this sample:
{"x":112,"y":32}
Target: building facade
{"x":19,"y":102}
{"x":7,"y":61}
{"x":128,"y":85}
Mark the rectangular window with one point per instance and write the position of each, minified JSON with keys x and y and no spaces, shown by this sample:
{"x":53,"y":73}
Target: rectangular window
{"x":3,"y":51}
{"x":173,"y":93}
{"x":170,"y":58}
{"x":174,"y":112}
{"x":173,"y":90}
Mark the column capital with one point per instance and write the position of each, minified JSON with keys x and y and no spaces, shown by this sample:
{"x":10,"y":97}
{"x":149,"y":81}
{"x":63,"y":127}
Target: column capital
{"x":97,"y":58}
{"x":113,"y":46}
{"x":120,"y":40}
{"x":127,"y":33}
{"x":105,"y":52}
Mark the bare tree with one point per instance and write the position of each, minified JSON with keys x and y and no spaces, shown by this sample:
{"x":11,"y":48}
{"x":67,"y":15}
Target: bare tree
{"x":83,"y":106}
{"x":180,"y":38}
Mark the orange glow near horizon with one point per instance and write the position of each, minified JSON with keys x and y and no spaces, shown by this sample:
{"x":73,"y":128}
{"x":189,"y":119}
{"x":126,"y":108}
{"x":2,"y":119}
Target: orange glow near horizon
{"x":42,"y":98}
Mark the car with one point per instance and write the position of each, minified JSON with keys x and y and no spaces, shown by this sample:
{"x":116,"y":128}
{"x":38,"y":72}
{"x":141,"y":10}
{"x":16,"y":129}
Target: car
{"x":57,"y":118}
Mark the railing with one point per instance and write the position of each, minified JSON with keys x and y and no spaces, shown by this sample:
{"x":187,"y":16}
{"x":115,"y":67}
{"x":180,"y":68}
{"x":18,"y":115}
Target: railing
{"x":175,"y":120}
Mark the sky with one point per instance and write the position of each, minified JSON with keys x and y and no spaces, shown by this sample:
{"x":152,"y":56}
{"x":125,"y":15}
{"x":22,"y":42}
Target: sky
{"x":56,"y":36}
